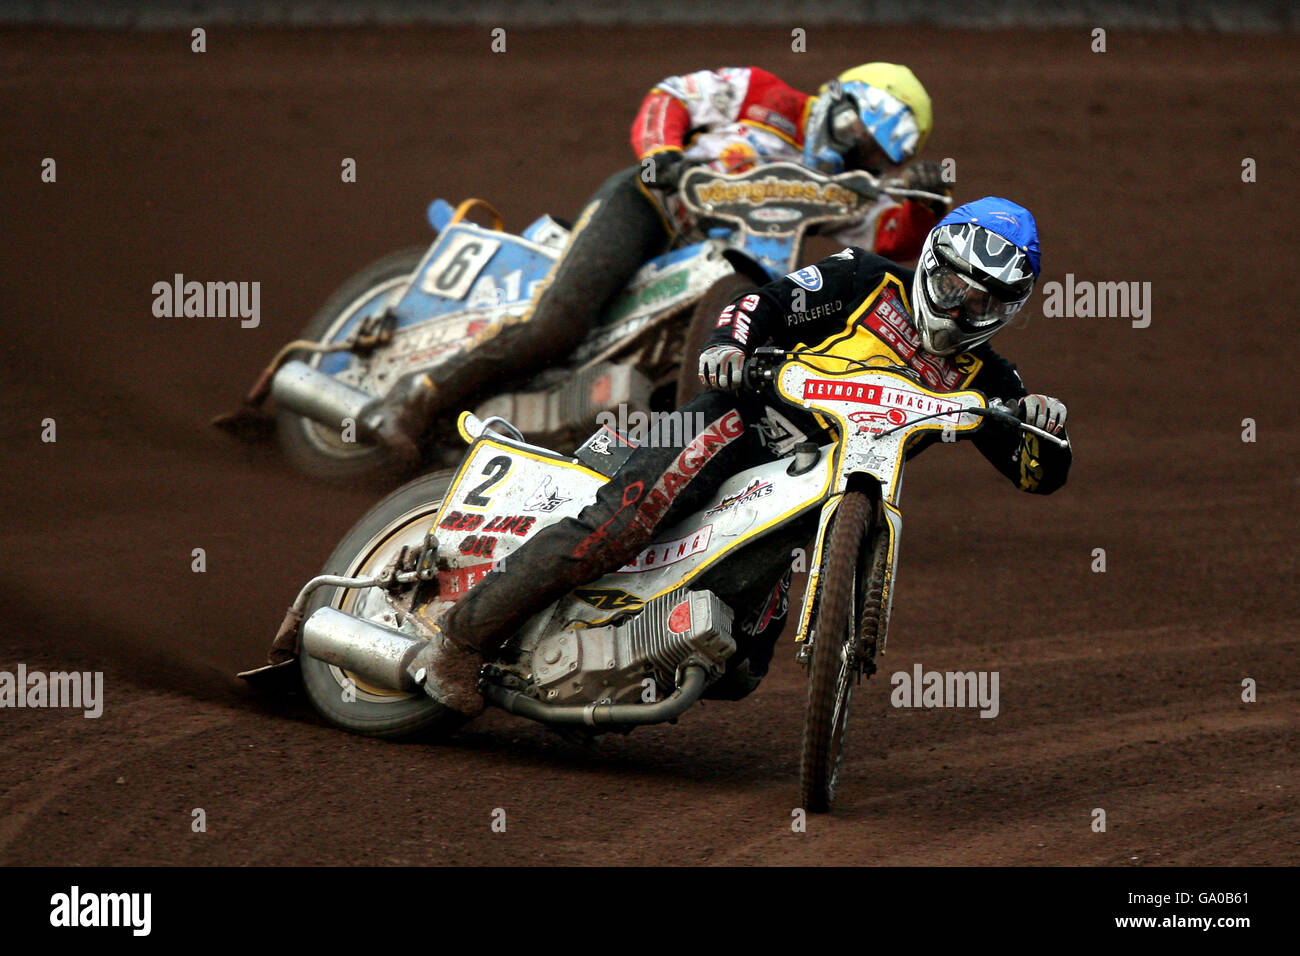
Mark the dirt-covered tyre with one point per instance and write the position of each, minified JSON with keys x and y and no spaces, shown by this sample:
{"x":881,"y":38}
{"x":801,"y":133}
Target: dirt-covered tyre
{"x":319,"y":450}
{"x":831,"y":675}
{"x":704,"y":319}
{"x":342,"y":698}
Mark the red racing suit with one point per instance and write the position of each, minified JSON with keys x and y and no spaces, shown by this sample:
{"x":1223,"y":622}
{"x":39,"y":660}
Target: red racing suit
{"x":738,"y":117}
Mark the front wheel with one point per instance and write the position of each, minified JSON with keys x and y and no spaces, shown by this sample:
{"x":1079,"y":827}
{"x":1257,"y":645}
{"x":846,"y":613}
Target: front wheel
{"x":342,"y":698}
{"x":319,"y":450}
{"x":832,"y":673}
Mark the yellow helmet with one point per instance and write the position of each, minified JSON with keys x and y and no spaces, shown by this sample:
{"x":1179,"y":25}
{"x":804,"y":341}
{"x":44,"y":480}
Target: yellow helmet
{"x":889,"y":104}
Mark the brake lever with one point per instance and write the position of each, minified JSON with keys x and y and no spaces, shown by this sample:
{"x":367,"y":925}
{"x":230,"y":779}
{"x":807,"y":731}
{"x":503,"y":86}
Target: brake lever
{"x":860,"y":182}
{"x":1000,"y":411}
{"x":1043,"y":433}
{"x":921,"y":194}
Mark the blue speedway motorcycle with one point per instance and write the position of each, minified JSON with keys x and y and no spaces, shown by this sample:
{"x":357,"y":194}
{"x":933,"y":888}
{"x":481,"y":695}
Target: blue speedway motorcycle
{"x":418,"y":308}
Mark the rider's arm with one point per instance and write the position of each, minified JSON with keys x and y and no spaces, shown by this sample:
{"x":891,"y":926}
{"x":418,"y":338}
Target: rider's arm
{"x":805,"y":306}
{"x":681,"y":106}
{"x":1032,"y":464}
{"x":661,"y":124}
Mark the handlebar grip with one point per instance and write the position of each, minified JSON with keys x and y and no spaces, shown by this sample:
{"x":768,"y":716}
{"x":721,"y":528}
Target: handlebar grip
{"x":758,"y":367}
{"x":754,"y":374}
{"x":1002,"y":413}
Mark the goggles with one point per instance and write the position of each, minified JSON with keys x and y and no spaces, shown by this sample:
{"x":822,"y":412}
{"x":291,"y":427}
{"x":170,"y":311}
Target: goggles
{"x":847,"y":128}
{"x":949,"y":289}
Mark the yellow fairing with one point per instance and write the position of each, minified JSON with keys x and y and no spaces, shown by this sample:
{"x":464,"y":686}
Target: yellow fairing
{"x":857,"y":343}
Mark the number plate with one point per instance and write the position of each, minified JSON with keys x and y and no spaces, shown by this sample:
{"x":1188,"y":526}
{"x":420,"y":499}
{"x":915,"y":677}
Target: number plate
{"x":457,"y":266}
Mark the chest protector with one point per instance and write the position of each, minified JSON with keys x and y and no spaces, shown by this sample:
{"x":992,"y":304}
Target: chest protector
{"x":879,"y":332}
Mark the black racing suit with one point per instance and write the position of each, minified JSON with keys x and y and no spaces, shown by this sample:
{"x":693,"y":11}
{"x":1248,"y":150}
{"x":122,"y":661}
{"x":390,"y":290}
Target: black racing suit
{"x":853,"y":303}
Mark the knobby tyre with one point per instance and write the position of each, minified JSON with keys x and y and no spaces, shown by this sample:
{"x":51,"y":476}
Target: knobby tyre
{"x":831,"y":672}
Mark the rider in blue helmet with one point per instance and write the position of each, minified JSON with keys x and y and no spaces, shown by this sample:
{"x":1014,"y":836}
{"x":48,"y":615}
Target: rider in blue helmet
{"x":977,"y":268}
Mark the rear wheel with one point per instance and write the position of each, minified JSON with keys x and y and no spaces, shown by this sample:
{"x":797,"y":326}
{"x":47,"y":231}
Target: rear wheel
{"x":343,"y":698}
{"x":833,"y":670}
{"x":704,"y":319}
{"x":319,"y":450}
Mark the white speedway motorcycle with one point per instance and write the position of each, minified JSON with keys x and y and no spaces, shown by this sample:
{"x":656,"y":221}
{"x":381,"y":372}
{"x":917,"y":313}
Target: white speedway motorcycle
{"x":642,"y":644}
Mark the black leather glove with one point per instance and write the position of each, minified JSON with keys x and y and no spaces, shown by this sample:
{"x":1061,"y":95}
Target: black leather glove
{"x":663,"y":171}
{"x":927,"y":176}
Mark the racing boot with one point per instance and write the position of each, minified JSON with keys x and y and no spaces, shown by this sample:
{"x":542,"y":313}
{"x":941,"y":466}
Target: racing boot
{"x":402,"y":418}
{"x":449,"y":672}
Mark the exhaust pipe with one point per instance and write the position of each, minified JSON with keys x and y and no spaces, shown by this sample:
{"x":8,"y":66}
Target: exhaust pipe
{"x":377,"y":653}
{"x":596,"y":715}
{"x":322,"y":398}
{"x":381,"y":656}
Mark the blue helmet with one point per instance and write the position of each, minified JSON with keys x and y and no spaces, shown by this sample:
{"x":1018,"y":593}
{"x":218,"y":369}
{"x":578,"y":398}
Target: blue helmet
{"x":977,"y":268}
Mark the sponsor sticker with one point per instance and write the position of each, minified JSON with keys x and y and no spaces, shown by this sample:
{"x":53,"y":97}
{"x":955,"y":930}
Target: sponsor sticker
{"x":888,"y":321}
{"x":608,"y":599}
{"x":454,"y":584}
{"x":740,"y":331}
{"x":883,"y":397}
{"x":706,"y":444}
{"x":810,"y":277}
{"x":775,"y":214}
{"x":873,"y":423}
{"x":755,"y":490}
{"x":768,"y":117}
{"x":545,"y":497}
{"x":842,"y":391}
{"x":737,"y":157}
{"x":664,"y":553}
{"x":757,"y":192}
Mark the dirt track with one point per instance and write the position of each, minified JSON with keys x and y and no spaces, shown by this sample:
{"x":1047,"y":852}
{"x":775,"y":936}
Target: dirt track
{"x":1119,"y":690}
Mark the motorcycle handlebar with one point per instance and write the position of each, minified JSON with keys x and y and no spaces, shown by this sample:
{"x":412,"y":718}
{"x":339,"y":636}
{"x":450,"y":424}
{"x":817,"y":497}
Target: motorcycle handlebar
{"x":761,"y":367}
{"x":865,"y":184}
{"x":857,"y":180}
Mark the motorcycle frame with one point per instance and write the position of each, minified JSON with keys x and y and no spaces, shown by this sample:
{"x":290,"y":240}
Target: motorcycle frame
{"x":854,"y":459}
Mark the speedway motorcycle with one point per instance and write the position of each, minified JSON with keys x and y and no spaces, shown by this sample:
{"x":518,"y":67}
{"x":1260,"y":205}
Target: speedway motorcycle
{"x":420,"y":308}
{"x":642,"y":644}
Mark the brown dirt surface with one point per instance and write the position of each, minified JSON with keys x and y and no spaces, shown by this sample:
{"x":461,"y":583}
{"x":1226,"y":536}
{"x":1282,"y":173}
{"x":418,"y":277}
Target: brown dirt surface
{"x":1119,"y":690}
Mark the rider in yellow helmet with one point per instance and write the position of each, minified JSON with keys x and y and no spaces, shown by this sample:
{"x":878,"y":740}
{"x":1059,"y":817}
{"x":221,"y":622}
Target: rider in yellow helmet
{"x":873,"y":117}
{"x":865,"y":116}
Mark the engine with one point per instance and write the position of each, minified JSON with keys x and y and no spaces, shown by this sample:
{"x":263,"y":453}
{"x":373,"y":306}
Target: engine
{"x":598,"y":664}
